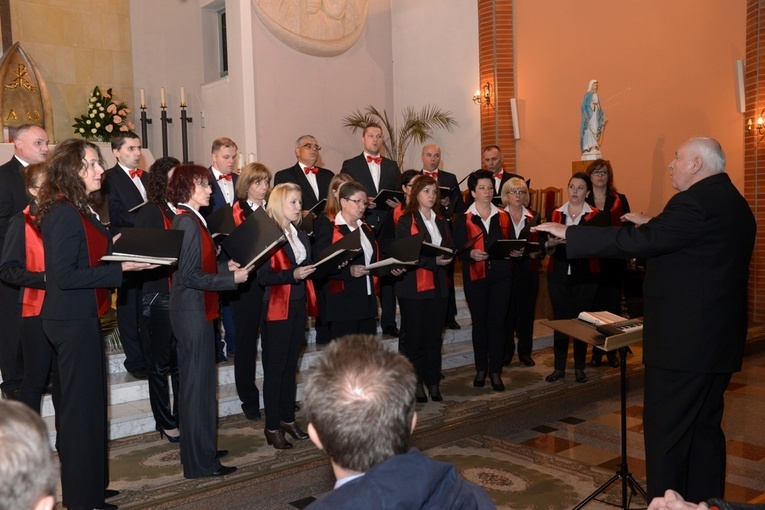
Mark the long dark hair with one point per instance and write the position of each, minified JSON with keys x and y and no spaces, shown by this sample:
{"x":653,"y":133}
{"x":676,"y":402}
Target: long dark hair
{"x":156,"y":185}
{"x":63,"y":180}
{"x":412,"y":206}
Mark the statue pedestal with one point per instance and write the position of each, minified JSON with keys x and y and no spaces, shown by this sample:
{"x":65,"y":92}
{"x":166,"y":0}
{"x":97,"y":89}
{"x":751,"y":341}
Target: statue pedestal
{"x":579,"y":166}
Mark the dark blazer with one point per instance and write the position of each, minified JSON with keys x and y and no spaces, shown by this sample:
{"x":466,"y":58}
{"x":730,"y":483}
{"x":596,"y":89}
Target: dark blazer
{"x":613,"y":270}
{"x":217,"y":199}
{"x":13,"y":266}
{"x":152,"y":215}
{"x":494,"y":268}
{"x":69,"y":293}
{"x":268,"y":277}
{"x":526,"y":262}
{"x":456,"y":203}
{"x":582,"y":270}
{"x":697,"y":273}
{"x":13,"y":195}
{"x":353,"y":302}
{"x":358,"y":168}
{"x":123,"y":196}
{"x":406,"y":287}
{"x":297,"y":175}
{"x":506,"y":176}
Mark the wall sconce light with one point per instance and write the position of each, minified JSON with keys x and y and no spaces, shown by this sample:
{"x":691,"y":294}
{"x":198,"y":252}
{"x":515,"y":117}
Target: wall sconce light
{"x":483,"y":96}
{"x":757,"y":128}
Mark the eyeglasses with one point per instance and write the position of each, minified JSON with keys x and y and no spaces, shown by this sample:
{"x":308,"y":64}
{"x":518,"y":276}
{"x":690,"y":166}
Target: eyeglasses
{"x":203,"y":184}
{"x":600,"y":173}
{"x":358,"y":201}
{"x":516,"y":192}
{"x":310,"y":146}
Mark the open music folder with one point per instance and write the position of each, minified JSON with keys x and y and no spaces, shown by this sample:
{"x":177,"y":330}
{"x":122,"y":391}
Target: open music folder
{"x":255,"y":240}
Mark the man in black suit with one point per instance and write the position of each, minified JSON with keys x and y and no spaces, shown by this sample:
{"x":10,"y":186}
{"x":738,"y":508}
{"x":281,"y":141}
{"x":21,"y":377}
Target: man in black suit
{"x":377,"y":173}
{"x":451,"y":204}
{"x":492,"y":159}
{"x":313,"y":181}
{"x":695,"y":293}
{"x":30,"y":146}
{"x":223,"y":183}
{"x":125,"y":185}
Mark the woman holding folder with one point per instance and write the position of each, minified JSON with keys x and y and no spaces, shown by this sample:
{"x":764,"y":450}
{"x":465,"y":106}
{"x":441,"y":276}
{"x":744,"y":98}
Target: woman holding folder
{"x":285,"y":315}
{"x":193,"y":306}
{"x":247,"y":302}
{"x":523,"y":294}
{"x":76,"y":295}
{"x":487,"y":281}
{"x":351,"y":300}
{"x":159,"y":213}
{"x":572,"y":284}
{"x":423,"y":294}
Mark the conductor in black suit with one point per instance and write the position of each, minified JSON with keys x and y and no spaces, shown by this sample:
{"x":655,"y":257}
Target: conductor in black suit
{"x":126,"y":188}
{"x":376,"y":173}
{"x":313,"y":181}
{"x":695,"y":292}
{"x":30,"y":146}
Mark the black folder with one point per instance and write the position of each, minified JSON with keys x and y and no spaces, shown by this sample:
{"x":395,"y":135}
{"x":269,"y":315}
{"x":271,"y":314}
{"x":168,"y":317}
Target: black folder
{"x":255,"y":240}
{"x":386,"y":194}
{"x":467,"y":246}
{"x":502,"y":247}
{"x":404,"y":254}
{"x":346,"y":249}
{"x":319,"y":207}
{"x":434,"y":250}
{"x":221,"y":222}
{"x":152,"y":245}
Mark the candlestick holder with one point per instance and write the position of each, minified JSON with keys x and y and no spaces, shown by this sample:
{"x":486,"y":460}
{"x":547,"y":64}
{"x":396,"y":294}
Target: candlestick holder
{"x":145,"y":121}
{"x":184,"y":133}
{"x":165,"y":120}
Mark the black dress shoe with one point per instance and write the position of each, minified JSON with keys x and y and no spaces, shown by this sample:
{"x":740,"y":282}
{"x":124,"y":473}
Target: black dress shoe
{"x":220,"y":454}
{"x":496,"y":382}
{"x":580,"y":376}
{"x":391,"y":331}
{"x":276,"y":439}
{"x":557,"y":374}
{"x":294,"y":430}
{"x":453,"y":324}
{"x":252,"y":413}
{"x":480,"y":379}
{"x":223,"y":471}
{"x":435,"y":393}
{"x":141,"y":373}
{"x":526,"y":360}
{"x":419,"y":394}
{"x":596,"y":362}
{"x":220,"y":358}
{"x":110,"y":493}
{"x":613,"y":360}
{"x":506,"y":362}
{"x":106,"y":506}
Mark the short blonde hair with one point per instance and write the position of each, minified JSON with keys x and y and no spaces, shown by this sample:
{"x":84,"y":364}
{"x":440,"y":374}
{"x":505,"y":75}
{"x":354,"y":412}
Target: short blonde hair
{"x":275,"y":206}
{"x":515,"y":184}
{"x":252,"y":172}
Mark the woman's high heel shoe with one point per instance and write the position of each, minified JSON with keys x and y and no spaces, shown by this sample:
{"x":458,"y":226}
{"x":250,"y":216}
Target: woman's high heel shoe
{"x":419,"y":394}
{"x":496,"y":382}
{"x":172,"y":439}
{"x":480,"y":379}
{"x":276,"y":439}
{"x":580,"y":376}
{"x":557,"y":374}
{"x":435,"y":393}
{"x":294,"y":430}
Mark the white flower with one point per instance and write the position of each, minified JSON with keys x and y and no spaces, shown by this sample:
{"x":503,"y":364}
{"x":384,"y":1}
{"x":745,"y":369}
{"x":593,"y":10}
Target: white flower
{"x":98,"y":124}
{"x":100,"y":108}
{"x":87,"y":122}
{"x":93,"y":99}
{"x":94,"y":131}
{"x":102,"y":115}
{"x":82,"y":130}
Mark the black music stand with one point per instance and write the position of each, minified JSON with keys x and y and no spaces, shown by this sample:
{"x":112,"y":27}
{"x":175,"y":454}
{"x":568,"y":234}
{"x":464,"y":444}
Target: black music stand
{"x":587,"y":333}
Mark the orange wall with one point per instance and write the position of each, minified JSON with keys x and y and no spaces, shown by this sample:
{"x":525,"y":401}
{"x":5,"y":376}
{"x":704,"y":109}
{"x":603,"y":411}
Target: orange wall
{"x":666,"y":73}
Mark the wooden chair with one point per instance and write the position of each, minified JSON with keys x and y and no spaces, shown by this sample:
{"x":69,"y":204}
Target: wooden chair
{"x":550,"y":198}
{"x":534,"y":196}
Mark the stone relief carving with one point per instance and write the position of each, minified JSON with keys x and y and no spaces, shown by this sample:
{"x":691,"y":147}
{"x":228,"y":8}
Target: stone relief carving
{"x":322,"y":28}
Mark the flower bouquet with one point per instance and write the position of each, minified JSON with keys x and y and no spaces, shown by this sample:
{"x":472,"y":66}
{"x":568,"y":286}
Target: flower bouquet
{"x":105,"y":116}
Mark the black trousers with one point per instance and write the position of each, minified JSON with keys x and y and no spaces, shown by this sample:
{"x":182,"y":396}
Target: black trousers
{"x":82,"y":432}
{"x":163,"y":361}
{"x":11,"y":363}
{"x":520,"y":314}
{"x":423,"y":321}
{"x":568,"y":300}
{"x":488,"y":300}
{"x":247,"y":306}
{"x":684,"y":441}
{"x":387,"y":302}
{"x":39,"y":357}
{"x":282,"y":341}
{"x":134,"y":338}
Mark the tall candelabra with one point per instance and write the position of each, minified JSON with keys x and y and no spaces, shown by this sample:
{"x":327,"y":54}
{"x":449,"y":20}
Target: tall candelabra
{"x":184,"y":133}
{"x":165,"y":121}
{"x":145,"y":121}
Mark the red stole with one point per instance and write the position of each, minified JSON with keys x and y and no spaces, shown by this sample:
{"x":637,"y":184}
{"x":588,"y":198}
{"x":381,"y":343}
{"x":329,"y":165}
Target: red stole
{"x":98,"y":246}
{"x":32,"y":299}
{"x":557,"y":217}
{"x":336,"y":286}
{"x":424,"y":277}
{"x":209,"y":265}
{"x":616,"y":210}
{"x":279,"y":299}
{"x":398,"y":212}
{"x":478,"y":269}
{"x":238,"y":213}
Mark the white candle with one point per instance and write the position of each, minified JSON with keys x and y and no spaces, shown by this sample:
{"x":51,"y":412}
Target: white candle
{"x":162,"y":102}
{"x":240,"y":160}
{"x":143,"y":99}
{"x":251,"y":158}
{"x":183,"y":96}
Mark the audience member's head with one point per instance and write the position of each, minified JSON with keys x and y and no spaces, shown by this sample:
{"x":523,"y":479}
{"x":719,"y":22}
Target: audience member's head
{"x":359,"y":400}
{"x":28,"y":470}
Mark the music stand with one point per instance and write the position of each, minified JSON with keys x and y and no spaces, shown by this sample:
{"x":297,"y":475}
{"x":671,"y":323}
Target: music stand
{"x":587,"y":333}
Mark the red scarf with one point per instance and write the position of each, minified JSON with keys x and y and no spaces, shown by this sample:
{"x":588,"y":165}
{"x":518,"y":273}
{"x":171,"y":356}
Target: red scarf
{"x":398,"y":212}
{"x":209,"y":265}
{"x":616,"y":211}
{"x":424,"y":277}
{"x":238,"y":213}
{"x":279,"y":299}
{"x":98,"y":246}
{"x":557,"y":217}
{"x":478,"y":269}
{"x":32,"y":299}
{"x":336,"y":286}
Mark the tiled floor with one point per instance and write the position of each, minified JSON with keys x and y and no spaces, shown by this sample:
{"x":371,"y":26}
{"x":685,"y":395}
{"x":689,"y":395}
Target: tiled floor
{"x":591,"y":434}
